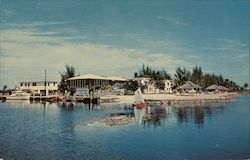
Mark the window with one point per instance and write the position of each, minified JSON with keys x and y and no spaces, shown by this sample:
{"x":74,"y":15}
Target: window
{"x":33,"y":84}
{"x":21,"y":84}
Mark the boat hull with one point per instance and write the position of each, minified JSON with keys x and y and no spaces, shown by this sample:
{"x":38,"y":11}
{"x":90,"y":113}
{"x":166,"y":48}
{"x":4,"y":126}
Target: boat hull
{"x":53,"y":99}
{"x":17,"y":97}
{"x":140,"y":105}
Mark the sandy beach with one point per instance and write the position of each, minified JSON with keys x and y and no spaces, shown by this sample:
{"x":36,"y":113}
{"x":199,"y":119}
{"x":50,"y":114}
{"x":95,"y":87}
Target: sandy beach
{"x":129,"y":99}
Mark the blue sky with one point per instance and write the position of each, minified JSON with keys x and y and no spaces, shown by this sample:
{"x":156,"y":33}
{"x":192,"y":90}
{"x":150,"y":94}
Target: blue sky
{"x":116,"y":37}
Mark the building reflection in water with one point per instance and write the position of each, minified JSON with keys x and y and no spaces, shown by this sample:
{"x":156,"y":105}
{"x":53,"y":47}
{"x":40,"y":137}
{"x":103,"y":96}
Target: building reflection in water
{"x":198,"y":113}
{"x":71,"y":106}
{"x":67,"y":107}
{"x":152,"y":115}
{"x":31,"y":104}
{"x":192,"y":114}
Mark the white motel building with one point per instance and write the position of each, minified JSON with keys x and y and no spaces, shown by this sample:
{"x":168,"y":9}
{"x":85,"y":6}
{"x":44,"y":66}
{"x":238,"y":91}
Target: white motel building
{"x":39,"y":87}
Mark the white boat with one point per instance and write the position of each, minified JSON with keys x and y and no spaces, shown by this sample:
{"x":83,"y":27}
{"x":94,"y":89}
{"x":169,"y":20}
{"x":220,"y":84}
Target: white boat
{"x":139,"y":100}
{"x":18,"y":95}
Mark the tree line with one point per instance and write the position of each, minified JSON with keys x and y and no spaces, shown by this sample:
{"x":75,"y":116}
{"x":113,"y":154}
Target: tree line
{"x":203,"y":79}
{"x":156,"y":76}
{"x":180,"y":77}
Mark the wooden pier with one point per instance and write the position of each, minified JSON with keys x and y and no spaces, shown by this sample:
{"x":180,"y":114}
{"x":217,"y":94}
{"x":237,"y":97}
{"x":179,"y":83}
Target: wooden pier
{"x":81,"y":99}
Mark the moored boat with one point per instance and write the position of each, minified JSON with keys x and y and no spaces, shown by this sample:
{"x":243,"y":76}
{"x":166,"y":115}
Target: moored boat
{"x":18,"y":95}
{"x":53,"y":99}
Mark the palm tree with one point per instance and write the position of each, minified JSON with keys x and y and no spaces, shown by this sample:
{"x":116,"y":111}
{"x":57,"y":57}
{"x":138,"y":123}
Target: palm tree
{"x":181,"y":76}
{"x":70,"y":72}
{"x":164,"y":74}
{"x":245,"y":85}
{"x":197,"y":75}
{"x":4,"y":87}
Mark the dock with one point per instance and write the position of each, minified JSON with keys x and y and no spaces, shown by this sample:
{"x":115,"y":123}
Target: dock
{"x":80,"y":99}
{"x":108,"y":99}
{"x":2,"y":97}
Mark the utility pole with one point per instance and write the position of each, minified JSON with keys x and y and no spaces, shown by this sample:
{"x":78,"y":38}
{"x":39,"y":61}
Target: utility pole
{"x":45,"y":84}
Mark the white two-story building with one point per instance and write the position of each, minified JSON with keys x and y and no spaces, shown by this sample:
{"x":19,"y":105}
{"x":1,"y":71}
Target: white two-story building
{"x":168,"y":86}
{"x":39,"y":87}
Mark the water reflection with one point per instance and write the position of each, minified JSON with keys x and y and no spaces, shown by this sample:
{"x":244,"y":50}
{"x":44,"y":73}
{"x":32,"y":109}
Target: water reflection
{"x":195,"y":114}
{"x":67,"y":107}
{"x":152,"y":115}
{"x":30,"y":104}
{"x":182,"y":114}
{"x":198,"y":113}
{"x":18,"y":103}
{"x":139,"y":115}
{"x":185,"y":114}
{"x":71,"y":106}
{"x":37,"y":126}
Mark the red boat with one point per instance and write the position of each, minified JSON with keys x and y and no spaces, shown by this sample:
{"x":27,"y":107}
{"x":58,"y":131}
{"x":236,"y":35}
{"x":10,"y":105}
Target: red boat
{"x":53,"y":99}
{"x":140,"y":105}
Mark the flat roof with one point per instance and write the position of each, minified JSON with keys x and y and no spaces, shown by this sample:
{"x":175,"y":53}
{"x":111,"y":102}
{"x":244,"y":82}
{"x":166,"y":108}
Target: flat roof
{"x":48,"y":81}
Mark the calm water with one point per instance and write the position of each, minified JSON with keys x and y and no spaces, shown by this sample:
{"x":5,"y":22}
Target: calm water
{"x":74,"y":131}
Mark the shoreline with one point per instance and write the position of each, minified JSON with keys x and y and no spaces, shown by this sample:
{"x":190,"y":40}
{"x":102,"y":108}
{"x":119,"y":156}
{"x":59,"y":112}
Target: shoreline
{"x":168,"y":99}
{"x":176,"y":99}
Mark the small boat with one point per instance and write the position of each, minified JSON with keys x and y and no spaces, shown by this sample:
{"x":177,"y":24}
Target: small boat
{"x":78,"y":98}
{"x":139,"y":101}
{"x":53,"y":99}
{"x":18,"y":95}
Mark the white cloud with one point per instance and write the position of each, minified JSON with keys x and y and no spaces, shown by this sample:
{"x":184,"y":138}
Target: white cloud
{"x":26,"y":61}
{"x":231,"y":43}
{"x":214,"y":48}
{"x":227,"y":48}
{"x":5,"y":13}
{"x":21,"y":36}
{"x":173,"y":21}
{"x":33,"y":24}
{"x":242,"y":56}
{"x":25,"y":53}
